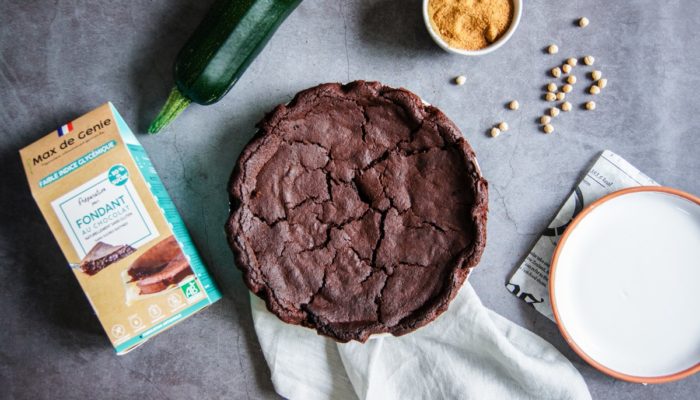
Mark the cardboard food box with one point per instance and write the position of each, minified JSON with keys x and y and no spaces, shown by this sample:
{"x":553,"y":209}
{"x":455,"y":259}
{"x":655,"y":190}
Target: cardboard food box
{"x":117,"y":227}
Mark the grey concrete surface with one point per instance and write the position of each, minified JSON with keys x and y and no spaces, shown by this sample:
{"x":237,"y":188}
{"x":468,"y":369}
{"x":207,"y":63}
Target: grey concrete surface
{"x":59,"y":59}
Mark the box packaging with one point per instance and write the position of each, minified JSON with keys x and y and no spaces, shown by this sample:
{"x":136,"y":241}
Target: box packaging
{"x":117,"y":227}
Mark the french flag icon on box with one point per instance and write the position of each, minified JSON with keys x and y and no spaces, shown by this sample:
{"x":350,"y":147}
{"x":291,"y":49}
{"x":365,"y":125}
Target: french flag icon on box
{"x":65,"y":129}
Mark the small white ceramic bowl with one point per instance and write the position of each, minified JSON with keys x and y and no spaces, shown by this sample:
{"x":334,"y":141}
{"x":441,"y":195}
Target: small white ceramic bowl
{"x":517,"y":11}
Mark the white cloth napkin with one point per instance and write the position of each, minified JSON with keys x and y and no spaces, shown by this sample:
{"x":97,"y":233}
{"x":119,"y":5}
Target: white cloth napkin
{"x":469,"y":352}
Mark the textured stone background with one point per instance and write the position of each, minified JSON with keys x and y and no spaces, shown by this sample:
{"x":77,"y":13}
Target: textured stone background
{"x":61,"y":59}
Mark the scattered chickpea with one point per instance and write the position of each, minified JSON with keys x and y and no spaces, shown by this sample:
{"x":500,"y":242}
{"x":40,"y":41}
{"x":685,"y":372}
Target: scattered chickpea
{"x":571,"y":79}
{"x":553,"y":111}
{"x":514,"y":105}
{"x":545,"y":119}
{"x":590,"y":105}
{"x":595,"y":75}
{"x":495,"y":132}
{"x":553,"y":49}
{"x":583,"y":22}
{"x":561,"y":96}
{"x":572,"y":61}
{"x":567,"y":88}
{"x":548,"y":128}
{"x":556,"y":72}
{"x":588,"y":60}
{"x":566,"y":68}
{"x":566,"y":106}
{"x":594,"y":89}
{"x":550,"y":96}
{"x":503,"y":126}
{"x":602,"y":82}
{"x":552,"y":87}
{"x":460,"y":80}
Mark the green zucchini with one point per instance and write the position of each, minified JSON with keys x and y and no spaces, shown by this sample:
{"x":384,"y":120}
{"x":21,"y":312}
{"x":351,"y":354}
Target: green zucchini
{"x":228,"y":39}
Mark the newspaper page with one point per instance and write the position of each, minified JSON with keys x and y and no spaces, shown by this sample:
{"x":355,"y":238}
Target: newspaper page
{"x":609,"y":173}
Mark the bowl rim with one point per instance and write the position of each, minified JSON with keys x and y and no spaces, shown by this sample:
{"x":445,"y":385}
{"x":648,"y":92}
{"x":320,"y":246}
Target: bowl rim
{"x":552,"y":299}
{"x":517,"y":13}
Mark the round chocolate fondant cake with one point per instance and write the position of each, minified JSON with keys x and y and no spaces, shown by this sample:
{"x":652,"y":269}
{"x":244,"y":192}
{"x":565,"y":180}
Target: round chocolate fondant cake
{"x":357,"y":210}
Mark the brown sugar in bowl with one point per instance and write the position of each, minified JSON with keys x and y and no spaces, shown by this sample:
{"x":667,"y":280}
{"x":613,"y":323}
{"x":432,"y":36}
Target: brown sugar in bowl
{"x":477,"y":51}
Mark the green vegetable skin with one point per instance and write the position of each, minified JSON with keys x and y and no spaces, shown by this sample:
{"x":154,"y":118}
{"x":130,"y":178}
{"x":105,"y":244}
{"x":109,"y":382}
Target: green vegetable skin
{"x":219,"y":51}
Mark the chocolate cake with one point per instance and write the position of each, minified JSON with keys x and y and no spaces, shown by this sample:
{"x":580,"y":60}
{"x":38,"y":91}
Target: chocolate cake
{"x":357,"y":210}
{"x":159,"y":267}
{"x":101,"y":255}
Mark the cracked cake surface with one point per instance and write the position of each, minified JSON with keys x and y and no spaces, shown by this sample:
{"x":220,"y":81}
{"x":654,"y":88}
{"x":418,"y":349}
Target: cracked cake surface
{"x":356,"y":210}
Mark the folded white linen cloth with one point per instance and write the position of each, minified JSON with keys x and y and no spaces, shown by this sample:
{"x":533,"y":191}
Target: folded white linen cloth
{"x":469,"y":352}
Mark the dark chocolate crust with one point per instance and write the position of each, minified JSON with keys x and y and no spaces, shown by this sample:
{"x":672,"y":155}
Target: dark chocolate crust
{"x":357,"y":210}
{"x":155,"y":258}
{"x":102,"y":255}
{"x":162,"y":265}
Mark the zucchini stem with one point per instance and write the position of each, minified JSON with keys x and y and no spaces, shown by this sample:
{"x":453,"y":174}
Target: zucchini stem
{"x":176,"y":103}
